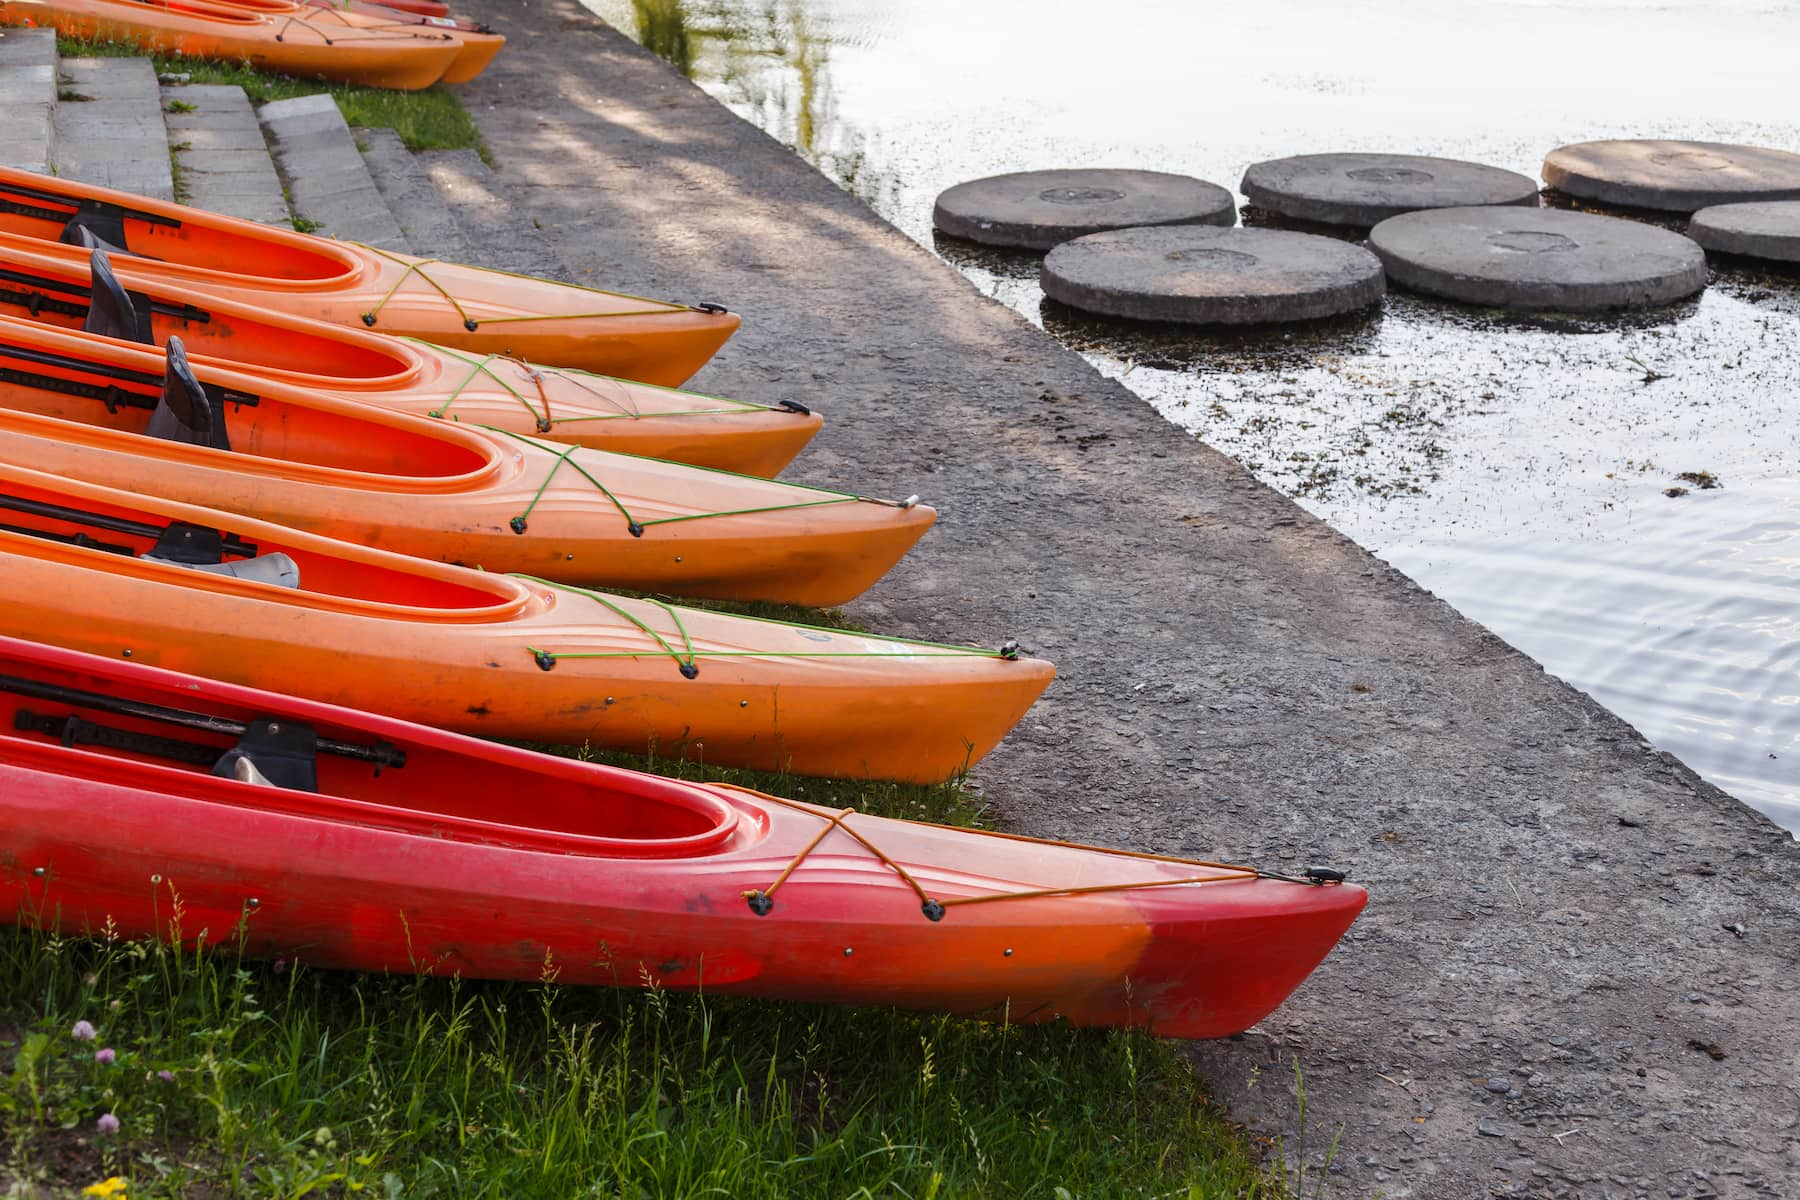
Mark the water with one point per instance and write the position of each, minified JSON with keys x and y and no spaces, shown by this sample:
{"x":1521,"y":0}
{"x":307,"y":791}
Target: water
{"x":1518,"y":468}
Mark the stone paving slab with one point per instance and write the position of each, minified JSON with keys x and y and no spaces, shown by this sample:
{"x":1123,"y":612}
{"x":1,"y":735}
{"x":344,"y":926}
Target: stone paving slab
{"x":218,"y":143}
{"x":28,"y":89}
{"x":109,"y":128}
{"x":431,"y":230}
{"x":1547,"y":891}
{"x":326,"y":179}
{"x":499,"y":232}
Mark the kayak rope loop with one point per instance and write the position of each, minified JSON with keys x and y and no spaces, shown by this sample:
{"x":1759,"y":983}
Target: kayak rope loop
{"x":417,"y":267}
{"x":368,"y":33}
{"x":614,"y":394}
{"x":563,"y":456}
{"x":762,"y":900}
{"x":688,"y":658}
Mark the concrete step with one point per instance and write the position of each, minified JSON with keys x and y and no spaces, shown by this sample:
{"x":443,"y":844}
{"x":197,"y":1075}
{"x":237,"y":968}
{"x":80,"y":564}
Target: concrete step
{"x":400,"y":177}
{"x":327,"y":182}
{"x":109,"y":128}
{"x":223,"y":160}
{"x":501,"y":235}
{"x":28,"y":97}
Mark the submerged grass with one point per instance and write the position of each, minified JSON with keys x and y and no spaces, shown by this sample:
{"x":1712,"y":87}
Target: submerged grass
{"x":433,"y":119}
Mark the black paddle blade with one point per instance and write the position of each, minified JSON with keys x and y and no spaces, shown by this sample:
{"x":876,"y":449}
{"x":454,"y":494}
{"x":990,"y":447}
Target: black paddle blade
{"x":187,"y":413}
{"x":111,"y":312}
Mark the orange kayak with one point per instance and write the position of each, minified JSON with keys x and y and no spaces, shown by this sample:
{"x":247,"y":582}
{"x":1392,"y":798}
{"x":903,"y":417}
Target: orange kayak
{"x":345,"y":283}
{"x":81,"y":406}
{"x":53,"y":283}
{"x":102,"y":570}
{"x":477,"y":45}
{"x":355,"y":841}
{"x":394,"y":57}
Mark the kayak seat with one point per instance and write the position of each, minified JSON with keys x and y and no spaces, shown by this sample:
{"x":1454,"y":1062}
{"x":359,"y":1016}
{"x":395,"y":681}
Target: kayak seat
{"x":112,"y":311}
{"x":187,"y":412}
{"x":277,"y":568}
{"x":90,"y":227}
{"x":283,"y":754}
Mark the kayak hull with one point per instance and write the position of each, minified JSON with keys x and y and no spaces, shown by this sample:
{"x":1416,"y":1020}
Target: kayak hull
{"x":501,"y":656}
{"x":438,"y":490}
{"x":51,"y":284}
{"x":348,"y":284}
{"x":615,"y":878}
{"x":387,"y":58}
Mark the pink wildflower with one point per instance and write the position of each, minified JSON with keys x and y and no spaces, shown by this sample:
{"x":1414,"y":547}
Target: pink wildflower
{"x":83,"y":1032}
{"x":166,"y":1076}
{"x":107,"y":1124}
{"x":280,"y":965}
{"x":104,"y":1055}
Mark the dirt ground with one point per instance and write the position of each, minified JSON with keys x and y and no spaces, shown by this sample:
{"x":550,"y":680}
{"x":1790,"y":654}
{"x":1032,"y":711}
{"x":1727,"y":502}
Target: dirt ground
{"x":1577,"y":973}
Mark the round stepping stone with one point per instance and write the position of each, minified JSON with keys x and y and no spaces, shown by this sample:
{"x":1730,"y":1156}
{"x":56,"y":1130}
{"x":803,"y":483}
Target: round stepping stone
{"x":1199,"y":275}
{"x":1672,"y":176}
{"x":1769,"y":230}
{"x":1366,"y":189}
{"x":1040,"y":209}
{"x":1541,"y":258}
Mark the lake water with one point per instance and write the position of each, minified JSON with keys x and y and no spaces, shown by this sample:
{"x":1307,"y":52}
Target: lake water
{"x":1518,"y":468}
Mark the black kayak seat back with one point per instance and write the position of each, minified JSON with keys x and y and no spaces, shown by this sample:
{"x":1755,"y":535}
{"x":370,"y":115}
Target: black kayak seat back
{"x":112,"y":311}
{"x":187,"y":412}
{"x":92,"y":225}
{"x":274,"y":754}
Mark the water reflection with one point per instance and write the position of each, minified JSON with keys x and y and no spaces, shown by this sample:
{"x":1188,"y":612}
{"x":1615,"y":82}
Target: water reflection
{"x":771,"y":62}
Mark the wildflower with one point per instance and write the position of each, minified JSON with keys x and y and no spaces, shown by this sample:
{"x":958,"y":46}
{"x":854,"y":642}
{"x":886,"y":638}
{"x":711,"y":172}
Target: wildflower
{"x":84,"y":1032}
{"x":106,"y":1188}
{"x":107,"y":1124}
{"x":166,"y":1076}
{"x":280,"y":965}
{"x":104,"y":1055}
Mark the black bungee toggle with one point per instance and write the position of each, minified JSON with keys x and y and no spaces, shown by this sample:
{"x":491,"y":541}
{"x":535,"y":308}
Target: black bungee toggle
{"x":517,"y":524}
{"x":689,"y":671}
{"x":760,"y":903}
{"x":1009,"y":651}
{"x":933,"y":910}
{"x":1323,"y":875}
{"x":709,"y":307}
{"x":795,"y":407}
{"x":545,"y":660}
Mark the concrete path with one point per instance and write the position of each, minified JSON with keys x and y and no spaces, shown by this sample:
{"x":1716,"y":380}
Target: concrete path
{"x":218,"y":143}
{"x":400,"y":177}
{"x":1543,"y":998}
{"x":499,"y":234}
{"x":327,"y":183}
{"x":109,"y":126}
{"x":28,"y":97}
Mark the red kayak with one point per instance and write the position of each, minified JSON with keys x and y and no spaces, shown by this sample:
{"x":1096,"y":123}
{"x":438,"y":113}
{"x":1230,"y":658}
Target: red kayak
{"x":356,"y":841}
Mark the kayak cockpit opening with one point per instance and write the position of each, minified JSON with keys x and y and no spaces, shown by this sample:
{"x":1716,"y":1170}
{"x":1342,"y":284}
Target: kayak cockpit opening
{"x":44,"y":373}
{"x":41,"y":208}
{"x":278,"y":761}
{"x":40,"y":520}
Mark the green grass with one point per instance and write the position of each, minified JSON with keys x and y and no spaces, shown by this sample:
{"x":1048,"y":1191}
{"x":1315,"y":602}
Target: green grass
{"x":286,"y":1082}
{"x":433,"y":119}
{"x":231,"y":1078}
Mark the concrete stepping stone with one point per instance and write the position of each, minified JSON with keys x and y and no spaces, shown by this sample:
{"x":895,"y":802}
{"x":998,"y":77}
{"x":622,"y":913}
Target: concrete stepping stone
{"x":1035,"y":210}
{"x":1203,"y":275}
{"x":1361,"y":190}
{"x":1540,"y":258}
{"x":327,"y":182}
{"x":1768,"y":230}
{"x":109,"y":126}
{"x":499,"y":234}
{"x":1672,"y":176}
{"x":430,"y":228}
{"x":28,"y":90}
{"x":223,"y":158}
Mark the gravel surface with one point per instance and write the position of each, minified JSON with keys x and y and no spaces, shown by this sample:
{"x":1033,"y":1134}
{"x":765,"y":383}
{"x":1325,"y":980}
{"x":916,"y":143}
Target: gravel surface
{"x":1578,"y":972}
